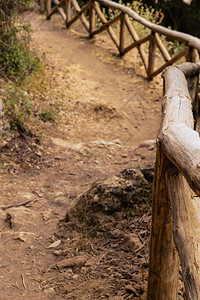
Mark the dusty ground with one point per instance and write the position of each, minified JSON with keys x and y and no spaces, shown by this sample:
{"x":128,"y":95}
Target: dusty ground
{"x":108,"y":122}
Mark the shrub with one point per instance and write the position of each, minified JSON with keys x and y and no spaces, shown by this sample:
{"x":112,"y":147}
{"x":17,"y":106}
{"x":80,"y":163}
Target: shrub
{"x":16,"y":59}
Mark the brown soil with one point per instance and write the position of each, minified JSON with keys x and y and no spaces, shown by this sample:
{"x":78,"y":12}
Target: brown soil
{"x":108,"y":122}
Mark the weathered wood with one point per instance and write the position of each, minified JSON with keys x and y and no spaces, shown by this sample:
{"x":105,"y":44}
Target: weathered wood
{"x":193,"y":82}
{"x":163,"y":261}
{"x":106,"y":25}
{"x":60,"y":10}
{"x":135,"y":44}
{"x":122,"y":34}
{"x":55,"y":9}
{"x":42,"y":6}
{"x":82,"y":18}
{"x":48,"y":8}
{"x":189,"y":69}
{"x":104,"y":21}
{"x":68,"y":10}
{"x":186,"y":220}
{"x":152,"y":55}
{"x":75,"y":18}
{"x":179,"y":141}
{"x":175,"y":35}
{"x":192,"y":55}
{"x":170,"y":62}
{"x":161,"y":47}
{"x":135,"y":37}
{"x":92,"y":17}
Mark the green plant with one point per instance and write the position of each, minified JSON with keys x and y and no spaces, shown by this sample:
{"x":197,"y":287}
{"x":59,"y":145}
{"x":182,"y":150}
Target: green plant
{"x":17,"y":108}
{"x":16,"y":58}
{"x":48,"y":114}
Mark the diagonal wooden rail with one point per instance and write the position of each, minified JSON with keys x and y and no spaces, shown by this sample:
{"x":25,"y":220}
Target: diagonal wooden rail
{"x":126,"y":17}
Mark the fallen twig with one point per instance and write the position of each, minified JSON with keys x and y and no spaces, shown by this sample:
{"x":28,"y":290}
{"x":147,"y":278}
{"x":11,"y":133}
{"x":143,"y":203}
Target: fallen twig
{"x":23,"y":281}
{"x":18,"y":204}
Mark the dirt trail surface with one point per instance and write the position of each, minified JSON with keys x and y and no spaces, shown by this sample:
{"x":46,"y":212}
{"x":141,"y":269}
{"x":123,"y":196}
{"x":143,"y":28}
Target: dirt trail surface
{"x":108,"y":122}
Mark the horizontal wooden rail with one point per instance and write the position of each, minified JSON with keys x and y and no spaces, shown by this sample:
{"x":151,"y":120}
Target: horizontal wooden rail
{"x":175,"y":215}
{"x":175,"y":35}
{"x":126,"y":16}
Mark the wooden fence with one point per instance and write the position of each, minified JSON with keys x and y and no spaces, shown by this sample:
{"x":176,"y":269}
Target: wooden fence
{"x":175,"y":232}
{"x":125,"y":16}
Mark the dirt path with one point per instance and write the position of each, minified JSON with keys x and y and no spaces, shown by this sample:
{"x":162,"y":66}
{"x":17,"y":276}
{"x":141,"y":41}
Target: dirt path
{"x":109,"y":122}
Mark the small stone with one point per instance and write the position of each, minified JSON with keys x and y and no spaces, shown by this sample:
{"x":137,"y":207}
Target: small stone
{"x":83,"y":270}
{"x":130,"y":289}
{"x":74,"y":262}
{"x":55,"y":244}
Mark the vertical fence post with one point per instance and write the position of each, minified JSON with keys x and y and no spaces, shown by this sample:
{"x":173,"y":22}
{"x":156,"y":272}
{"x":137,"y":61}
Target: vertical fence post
{"x":192,"y":55}
{"x":164,"y":261}
{"x":152,"y":55}
{"x":92,"y":17}
{"x":42,"y":6}
{"x":68,"y":11}
{"x":48,"y":7}
{"x":122,"y":33}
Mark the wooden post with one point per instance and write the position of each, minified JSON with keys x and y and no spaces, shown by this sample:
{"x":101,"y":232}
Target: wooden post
{"x":192,"y":55}
{"x":92,"y":17}
{"x":164,"y":261}
{"x":42,"y":6}
{"x":48,"y":7}
{"x":122,"y":34}
{"x":152,"y":55}
{"x":68,"y":10}
{"x":186,"y":230}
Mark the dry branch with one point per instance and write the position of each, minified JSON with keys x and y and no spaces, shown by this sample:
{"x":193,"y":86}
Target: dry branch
{"x":18,"y":204}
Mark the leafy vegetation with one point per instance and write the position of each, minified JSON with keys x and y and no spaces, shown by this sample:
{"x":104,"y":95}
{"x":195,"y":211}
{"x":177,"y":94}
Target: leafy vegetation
{"x":22,"y":72}
{"x":16,"y":59}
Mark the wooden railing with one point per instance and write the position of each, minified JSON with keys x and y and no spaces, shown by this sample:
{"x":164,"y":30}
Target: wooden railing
{"x":175,"y":230}
{"x":125,"y":16}
{"x":175,"y":233}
